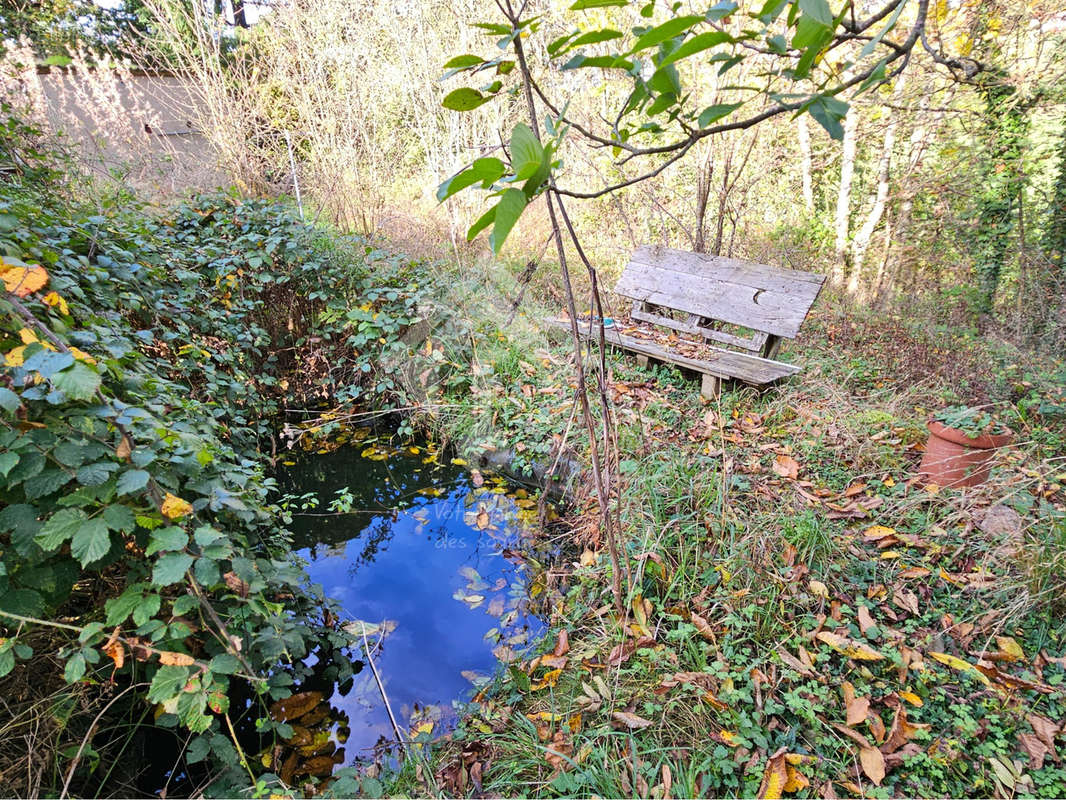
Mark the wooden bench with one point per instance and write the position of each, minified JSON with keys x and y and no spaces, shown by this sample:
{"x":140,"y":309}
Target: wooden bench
{"x":743,"y":305}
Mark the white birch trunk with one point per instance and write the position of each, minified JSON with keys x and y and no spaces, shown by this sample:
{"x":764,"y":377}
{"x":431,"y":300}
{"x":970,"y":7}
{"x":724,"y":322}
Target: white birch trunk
{"x":884,"y":171}
{"x":847,"y":175}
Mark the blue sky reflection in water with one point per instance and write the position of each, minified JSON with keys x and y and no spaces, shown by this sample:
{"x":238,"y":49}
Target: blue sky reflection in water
{"x":425,"y":549}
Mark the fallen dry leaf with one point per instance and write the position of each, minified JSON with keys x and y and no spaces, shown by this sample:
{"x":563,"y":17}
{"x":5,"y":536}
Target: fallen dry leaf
{"x":849,"y":647}
{"x":873,"y":764}
{"x":774,"y":777}
{"x":855,"y":707}
{"x":630,"y":720}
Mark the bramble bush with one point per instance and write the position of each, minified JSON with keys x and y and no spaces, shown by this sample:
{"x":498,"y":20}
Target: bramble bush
{"x":147,"y":358}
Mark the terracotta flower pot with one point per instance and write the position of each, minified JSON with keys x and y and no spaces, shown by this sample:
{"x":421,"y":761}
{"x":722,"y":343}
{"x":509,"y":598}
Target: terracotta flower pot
{"x":954,"y":459}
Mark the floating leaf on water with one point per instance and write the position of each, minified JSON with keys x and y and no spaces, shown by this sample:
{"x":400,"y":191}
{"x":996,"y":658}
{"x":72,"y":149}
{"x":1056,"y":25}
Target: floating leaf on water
{"x":358,"y":627}
{"x":295,"y":706}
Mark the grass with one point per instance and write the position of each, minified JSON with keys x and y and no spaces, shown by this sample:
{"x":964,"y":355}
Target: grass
{"x":744,"y":573}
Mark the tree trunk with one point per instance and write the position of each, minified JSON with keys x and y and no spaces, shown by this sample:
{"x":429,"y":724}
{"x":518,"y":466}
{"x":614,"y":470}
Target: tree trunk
{"x":847,"y":175}
{"x":884,"y":170}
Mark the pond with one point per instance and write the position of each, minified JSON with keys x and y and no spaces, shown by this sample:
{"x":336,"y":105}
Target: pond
{"x":436,"y":561}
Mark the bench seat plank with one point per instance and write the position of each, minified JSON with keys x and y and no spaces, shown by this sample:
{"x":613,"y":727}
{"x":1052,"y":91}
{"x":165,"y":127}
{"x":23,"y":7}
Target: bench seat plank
{"x":725,"y":364}
{"x":754,"y":296}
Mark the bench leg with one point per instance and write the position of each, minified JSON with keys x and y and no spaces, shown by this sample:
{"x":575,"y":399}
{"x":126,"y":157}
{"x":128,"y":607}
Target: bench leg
{"x":711,"y":387}
{"x":642,"y":360}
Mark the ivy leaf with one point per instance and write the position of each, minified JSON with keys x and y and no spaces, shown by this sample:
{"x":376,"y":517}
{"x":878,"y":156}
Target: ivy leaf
{"x":60,"y":527}
{"x":91,"y":542}
{"x":78,"y":382}
{"x":170,"y":568}
{"x":509,"y":209}
{"x":132,"y":481}
{"x":74,"y":670}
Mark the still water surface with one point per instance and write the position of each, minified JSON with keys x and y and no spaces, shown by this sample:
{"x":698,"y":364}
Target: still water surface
{"x":440,"y":562}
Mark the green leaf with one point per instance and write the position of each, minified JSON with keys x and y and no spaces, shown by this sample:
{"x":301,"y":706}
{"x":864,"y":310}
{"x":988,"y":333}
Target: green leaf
{"x":604,"y":62}
{"x":46,"y":483}
{"x":696,"y":44}
{"x":581,"y":5}
{"x":512,"y":204}
{"x":225,"y":664}
{"x":721,"y":10}
{"x":9,"y":401}
{"x":60,"y":527}
{"x":119,"y":608}
{"x":171,"y":538}
{"x":74,"y":670}
{"x":119,"y":518}
{"x":21,"y":520}
{"x":667,"y":30}
{"x":464,"y":99}
{"x":594,"y":37}
{"x":461,"y":62}
{"x":170,"y":568}
{"x":817,"y":10}
{"x":7,"y":461}
{"x":132,"y":481}
{"x":26,"y":602}
{"x":771,"y":10}
{"x":485,"y":171}
{"x":482,"y":222}
{"x":96,"y":473}
{"x":91,"y":542}
{"x":712,"y":114}
{"x":168,"y":682}
{"x":829,"y":111}
{"x":78,"y":382}
{"x":527,"y":154}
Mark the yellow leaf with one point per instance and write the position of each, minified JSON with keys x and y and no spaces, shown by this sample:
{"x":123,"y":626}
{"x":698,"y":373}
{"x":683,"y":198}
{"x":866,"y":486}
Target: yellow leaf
{"x":16,"y":357}
{"x":849,"y":647}
{"x":796,"y":779}
{"x":774,"y":779}
{"x":28,"y":337}
{"x":878,"y":532}
{"x":54,"y":299}
{"x":174,"y":507}
{"x":957,"y":663}
{"x":22,"y":281}
{"x":911,"y":698}
{"x":551,"y":677}
{"x":1010,"y":648}
{"x":818,"y":588}
{"x":81,"y":355}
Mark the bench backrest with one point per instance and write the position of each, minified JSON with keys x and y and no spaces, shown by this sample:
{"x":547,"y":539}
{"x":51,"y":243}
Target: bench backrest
{"x":772,"y":301}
